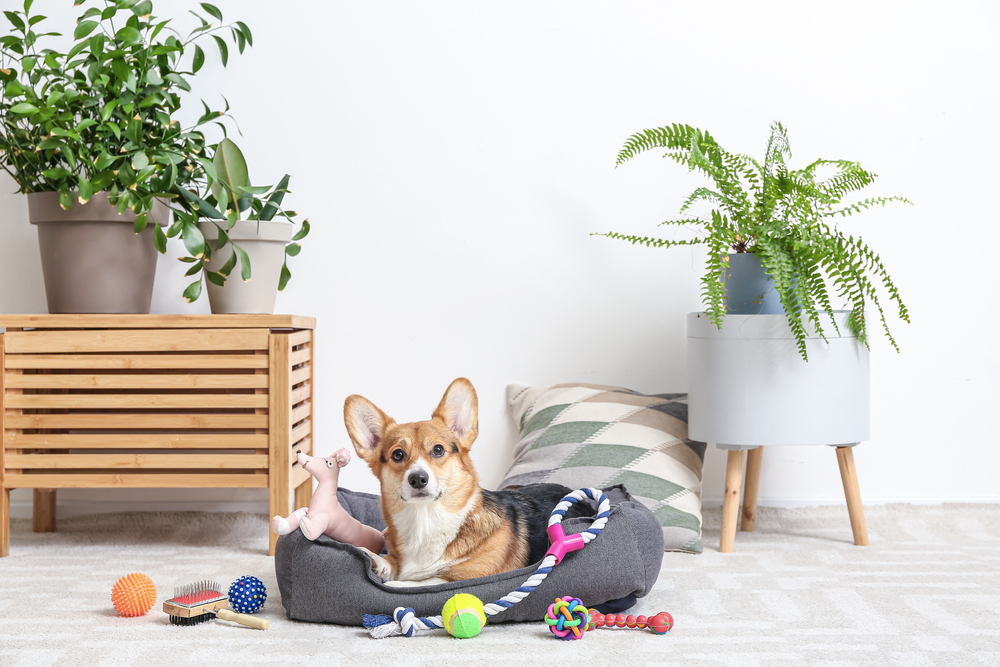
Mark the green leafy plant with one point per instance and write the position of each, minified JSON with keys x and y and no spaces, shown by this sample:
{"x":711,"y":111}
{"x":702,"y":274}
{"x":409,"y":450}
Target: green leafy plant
{"x":783,"y":217}
{"x":231,"y":196}
{"x":103,"y":115}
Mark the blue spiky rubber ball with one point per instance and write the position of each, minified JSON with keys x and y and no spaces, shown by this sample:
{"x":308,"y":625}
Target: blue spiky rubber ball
{"x":247,"y":595}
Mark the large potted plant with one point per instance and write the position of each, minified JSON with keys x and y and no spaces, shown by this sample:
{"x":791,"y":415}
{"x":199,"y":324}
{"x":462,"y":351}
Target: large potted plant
{"x":91,"y":136}
{"x":772,"y":247}
{"x":237,"y":225}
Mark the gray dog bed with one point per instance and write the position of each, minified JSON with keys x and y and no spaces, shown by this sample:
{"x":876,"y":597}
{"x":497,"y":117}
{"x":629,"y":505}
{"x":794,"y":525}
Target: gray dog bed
{"x":331,"y":582}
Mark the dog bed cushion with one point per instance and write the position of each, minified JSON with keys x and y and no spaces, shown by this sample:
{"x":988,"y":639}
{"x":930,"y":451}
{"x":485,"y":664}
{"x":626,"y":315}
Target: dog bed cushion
{"x":594,"y":435}
{"x":331,"y":582}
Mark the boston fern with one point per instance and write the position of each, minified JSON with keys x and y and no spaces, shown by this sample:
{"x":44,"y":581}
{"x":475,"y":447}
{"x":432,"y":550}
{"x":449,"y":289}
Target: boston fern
{"x":783,"y":217}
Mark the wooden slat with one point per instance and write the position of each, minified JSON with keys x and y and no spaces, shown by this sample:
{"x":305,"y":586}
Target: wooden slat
{"x":134,"y":401}
{"x":301,"y":412}
{"x":301,"y":375}
{"x":136,"y":361}
{"x":304,"y":446}
{"x":302,"y":356}
{"x":280,"y":425}
{"x":299,"y":475}
{"x":301,"y":394}
{"x":180,"y":340}
{"x":301,"y":431}
{"x":77,"y":461}
{"x":137,"y":421}
{"x":4,"y":492}
{"x":157,"y":321}
{"x":299,"y":338}
{"x":136,"y":441}
{"x":136,"y":381}
{"x":187,"y":480}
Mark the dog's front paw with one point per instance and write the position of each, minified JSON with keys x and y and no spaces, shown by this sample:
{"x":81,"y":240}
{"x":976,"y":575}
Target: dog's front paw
{"x":379,"y":565}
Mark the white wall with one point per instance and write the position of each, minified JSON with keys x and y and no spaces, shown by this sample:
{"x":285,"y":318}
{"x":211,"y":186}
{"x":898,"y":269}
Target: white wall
{"x":454,"y":157}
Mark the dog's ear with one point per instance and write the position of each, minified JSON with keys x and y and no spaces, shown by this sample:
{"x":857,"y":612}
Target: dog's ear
{"x":459,"y":410}
{"x":366,"y":425}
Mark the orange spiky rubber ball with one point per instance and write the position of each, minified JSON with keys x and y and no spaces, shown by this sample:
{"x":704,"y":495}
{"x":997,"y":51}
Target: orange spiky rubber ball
{"x":134,"y":594}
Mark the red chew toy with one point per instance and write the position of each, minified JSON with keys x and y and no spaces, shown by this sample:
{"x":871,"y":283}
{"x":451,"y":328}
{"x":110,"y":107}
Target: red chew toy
{"x":658,"y":624}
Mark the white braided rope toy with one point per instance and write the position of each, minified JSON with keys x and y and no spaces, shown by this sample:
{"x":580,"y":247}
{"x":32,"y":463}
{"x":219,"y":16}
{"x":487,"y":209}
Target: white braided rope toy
{"x":404,"y":620}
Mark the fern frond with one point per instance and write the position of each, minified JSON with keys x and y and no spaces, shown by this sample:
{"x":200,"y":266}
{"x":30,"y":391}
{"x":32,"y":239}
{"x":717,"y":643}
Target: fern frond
{"x":672,"y":136}
{"x":650,"y":242}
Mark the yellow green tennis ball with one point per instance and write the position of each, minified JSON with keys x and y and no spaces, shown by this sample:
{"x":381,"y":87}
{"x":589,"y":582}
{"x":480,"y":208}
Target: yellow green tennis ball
{"x":463,"y":616}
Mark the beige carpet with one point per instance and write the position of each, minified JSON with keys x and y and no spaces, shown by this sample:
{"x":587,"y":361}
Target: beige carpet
{"x":795,"y":592}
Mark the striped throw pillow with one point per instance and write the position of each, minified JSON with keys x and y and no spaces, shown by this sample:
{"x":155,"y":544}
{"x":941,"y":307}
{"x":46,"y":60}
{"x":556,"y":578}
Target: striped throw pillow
{"x":591,"y":435}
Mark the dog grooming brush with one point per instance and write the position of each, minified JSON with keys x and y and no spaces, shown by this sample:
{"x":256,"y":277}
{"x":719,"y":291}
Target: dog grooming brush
{"x":202,"y":601}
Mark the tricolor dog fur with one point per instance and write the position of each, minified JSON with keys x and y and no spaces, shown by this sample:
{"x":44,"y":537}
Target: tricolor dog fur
{"x":441,"y":525}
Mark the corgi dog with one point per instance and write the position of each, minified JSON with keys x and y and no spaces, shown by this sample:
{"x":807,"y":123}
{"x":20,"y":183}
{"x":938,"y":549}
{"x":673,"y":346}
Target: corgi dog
{"x":440,"y":524}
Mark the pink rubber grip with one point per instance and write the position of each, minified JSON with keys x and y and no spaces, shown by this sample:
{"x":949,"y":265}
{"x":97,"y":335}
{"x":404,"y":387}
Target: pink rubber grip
{"x":561,"y":543}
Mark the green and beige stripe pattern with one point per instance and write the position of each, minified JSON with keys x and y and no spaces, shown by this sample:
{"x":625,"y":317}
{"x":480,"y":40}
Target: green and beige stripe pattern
{"x":592,"y":435}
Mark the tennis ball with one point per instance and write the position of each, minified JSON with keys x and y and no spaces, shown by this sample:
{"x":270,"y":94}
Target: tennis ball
{"x":463,"y":616}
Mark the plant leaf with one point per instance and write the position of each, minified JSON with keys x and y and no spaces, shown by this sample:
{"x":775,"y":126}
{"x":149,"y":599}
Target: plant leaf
{"x":244,"y":263}
{"x":194,"y":241}
{"x":302,"y":232}
{"x":230,"y":264}
{"x":128,"y":35}
{"x":212,"y":9}
{"x":285,"y":276}
{"x":84,"y":28}
{"x":24,"y":108}
{"x":274,"y":201}
{"x":193,"y":291}
{"x":199,"y":59}
{"x":231,"y":167}
{"x":223,"y":49}
{"x":293,"y":249}
{"x":140,"y":223}
{"x":216,"y":278}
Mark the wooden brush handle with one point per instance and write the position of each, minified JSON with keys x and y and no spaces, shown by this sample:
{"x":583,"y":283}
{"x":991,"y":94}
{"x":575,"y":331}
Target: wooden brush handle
{"x":243,"y":619}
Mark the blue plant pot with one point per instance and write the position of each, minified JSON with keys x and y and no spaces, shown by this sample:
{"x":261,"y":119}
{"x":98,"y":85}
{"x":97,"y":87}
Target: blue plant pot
{"x":749,"y":290}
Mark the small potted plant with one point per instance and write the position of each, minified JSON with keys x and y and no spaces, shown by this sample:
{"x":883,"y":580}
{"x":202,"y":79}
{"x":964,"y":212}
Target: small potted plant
{"x":237,"y":225}
{"x":91,"y":136}
{"x":785,"y":255}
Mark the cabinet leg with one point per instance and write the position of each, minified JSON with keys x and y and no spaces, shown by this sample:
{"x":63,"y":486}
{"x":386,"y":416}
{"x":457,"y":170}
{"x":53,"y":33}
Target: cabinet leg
{"x":750,"y":488}
{"x":43,"y":510}
{"x":4,"y":522}
{"x":303,"y":494}
{"x":731,"y":501}
{"x":849,"y":475}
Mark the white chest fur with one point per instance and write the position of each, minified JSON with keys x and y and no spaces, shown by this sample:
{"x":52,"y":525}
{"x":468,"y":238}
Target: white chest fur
{"x":423,"y":533}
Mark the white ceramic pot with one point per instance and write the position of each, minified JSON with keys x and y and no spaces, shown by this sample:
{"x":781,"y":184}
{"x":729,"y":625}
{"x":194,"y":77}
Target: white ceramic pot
{"x":264,"y":242}
{"x":748,"y":385}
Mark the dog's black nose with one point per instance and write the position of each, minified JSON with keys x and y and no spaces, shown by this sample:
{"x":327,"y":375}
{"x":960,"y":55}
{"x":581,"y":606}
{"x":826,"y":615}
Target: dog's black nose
{"x":418,"y":480}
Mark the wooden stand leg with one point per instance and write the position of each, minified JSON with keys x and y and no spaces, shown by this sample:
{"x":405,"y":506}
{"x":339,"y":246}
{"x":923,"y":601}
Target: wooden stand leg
{"x":279,"y":429}
{"x":849,"y":475}
{"x":731,"y":501}
{"x":750,"y":488}
{"x":303,"y":494}
{"x":4,"y":521}
{"x":43,"y":510}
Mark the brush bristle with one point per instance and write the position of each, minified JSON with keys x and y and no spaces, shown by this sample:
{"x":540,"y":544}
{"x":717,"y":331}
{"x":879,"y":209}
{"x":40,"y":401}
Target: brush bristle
{"x":200,"y":591}
{"x":191,"y":620}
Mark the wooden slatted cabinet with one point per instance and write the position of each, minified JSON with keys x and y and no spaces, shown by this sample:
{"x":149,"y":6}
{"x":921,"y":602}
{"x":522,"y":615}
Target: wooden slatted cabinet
{"x":154,"y":401}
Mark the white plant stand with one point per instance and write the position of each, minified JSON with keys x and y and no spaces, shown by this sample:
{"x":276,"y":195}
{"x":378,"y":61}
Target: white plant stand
{"x":749,"y":387}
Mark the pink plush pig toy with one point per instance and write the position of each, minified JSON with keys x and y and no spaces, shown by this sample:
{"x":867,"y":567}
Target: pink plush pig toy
{"x":325,"y":516}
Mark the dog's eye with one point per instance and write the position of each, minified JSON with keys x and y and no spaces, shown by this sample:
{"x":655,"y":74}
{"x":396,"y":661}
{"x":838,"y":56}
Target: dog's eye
{"x":398,"y":455}
{"x":329,"y":463}
{"x":437,"y":450}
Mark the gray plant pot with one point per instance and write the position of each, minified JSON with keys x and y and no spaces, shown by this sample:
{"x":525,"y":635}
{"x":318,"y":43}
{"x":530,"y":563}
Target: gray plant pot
{"x":749,"y":290}
{"x":92,"y":260}
{"x":264,"y":242}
